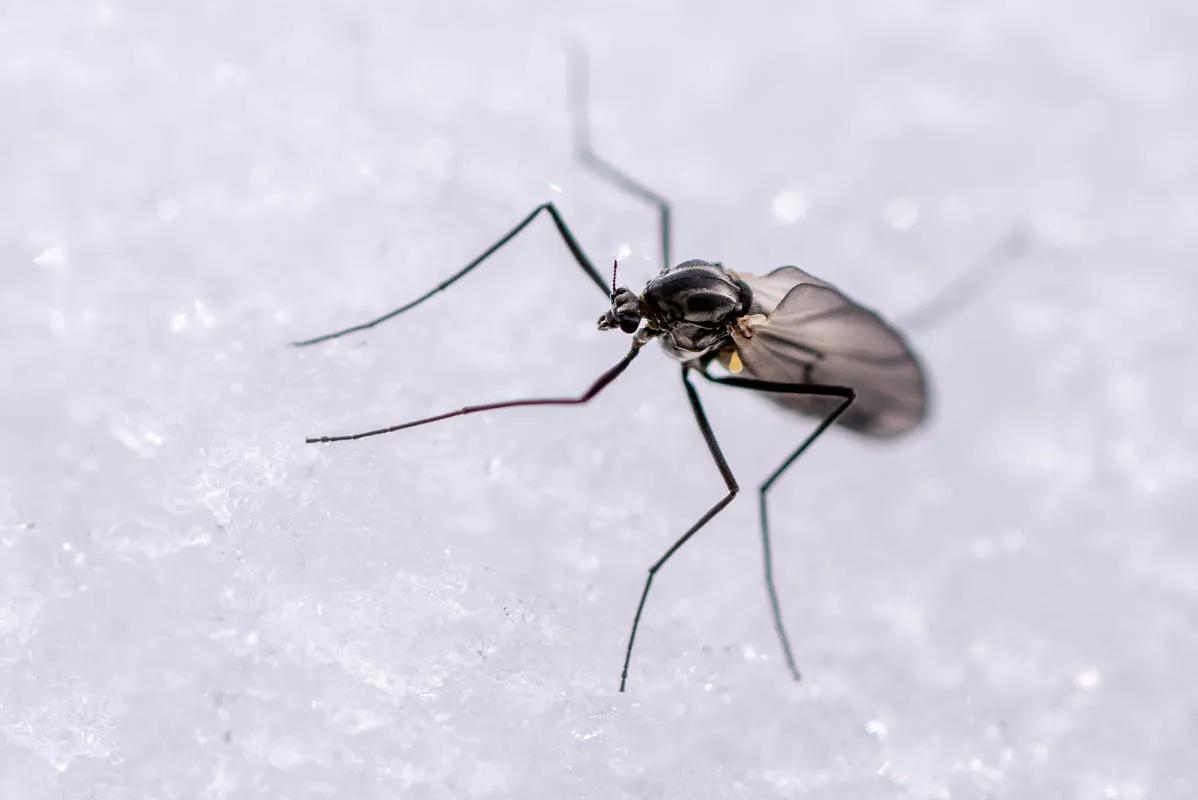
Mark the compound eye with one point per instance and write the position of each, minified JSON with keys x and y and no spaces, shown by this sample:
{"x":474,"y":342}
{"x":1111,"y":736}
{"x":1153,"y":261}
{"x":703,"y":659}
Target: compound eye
{"x":625,"y":312}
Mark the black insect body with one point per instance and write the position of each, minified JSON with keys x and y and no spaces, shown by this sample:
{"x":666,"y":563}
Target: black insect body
{"x":691,"y":306}
{"x":786,"y":334}
{"x":783,"y":327}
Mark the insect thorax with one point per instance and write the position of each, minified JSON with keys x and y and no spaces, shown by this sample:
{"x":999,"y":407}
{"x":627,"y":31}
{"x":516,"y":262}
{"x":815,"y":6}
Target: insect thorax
{"x":693,"y":305}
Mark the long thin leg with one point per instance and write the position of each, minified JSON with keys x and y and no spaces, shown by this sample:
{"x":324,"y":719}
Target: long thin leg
{"x":596,"y":387}
{"x":733,"y":489}
{"x":846,"y":396}
{"x":951,"y":297}
{"x":568,"y":237}
{"x":581,"y":124}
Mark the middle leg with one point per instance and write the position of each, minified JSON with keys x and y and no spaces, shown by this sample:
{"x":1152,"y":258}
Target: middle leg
{"x":580,"y":86}
{"x":733,"y":489}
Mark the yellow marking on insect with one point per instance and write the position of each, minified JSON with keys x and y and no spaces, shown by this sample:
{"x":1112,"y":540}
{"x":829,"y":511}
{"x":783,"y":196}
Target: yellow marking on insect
{"x":734,"y":363}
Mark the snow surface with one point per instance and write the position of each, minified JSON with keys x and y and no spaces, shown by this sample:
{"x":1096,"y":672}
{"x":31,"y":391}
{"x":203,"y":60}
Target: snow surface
{"x":195,"y":604}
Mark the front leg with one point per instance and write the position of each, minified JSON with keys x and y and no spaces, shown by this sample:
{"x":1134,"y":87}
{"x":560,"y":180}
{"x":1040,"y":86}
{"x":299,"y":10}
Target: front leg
{"x":594,"y":389}
{"x":559,"y":223}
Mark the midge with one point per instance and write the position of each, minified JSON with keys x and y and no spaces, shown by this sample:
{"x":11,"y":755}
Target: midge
{"x":787,"y":335}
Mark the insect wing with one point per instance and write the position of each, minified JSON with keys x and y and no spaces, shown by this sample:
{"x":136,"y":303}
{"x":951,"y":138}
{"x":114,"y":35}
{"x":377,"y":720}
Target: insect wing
{"x":769,"y":289}
{"x":817,"y":335}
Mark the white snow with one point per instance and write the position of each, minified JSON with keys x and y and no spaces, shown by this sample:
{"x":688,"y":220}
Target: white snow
{"x":195,"y":604}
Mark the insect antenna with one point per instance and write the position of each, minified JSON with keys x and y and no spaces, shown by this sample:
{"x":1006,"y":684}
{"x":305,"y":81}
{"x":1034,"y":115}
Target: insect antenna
{"x":615,"y":265}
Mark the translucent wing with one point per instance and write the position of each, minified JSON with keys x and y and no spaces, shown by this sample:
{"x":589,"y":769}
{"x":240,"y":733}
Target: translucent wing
{"x":769,"y":289}
{"x":803,"y":330}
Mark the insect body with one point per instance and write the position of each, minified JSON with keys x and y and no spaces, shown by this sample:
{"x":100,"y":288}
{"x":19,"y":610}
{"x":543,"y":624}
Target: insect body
{"x":786,"y":334}
{"x":784,"y":327}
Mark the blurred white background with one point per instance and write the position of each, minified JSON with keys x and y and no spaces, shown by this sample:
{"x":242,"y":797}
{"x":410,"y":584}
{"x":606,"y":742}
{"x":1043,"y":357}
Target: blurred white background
{"x":194,"y":604}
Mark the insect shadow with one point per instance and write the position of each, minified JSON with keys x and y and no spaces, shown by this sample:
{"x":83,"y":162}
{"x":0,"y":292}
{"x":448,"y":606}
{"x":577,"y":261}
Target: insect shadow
{"x":794,"y":338}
